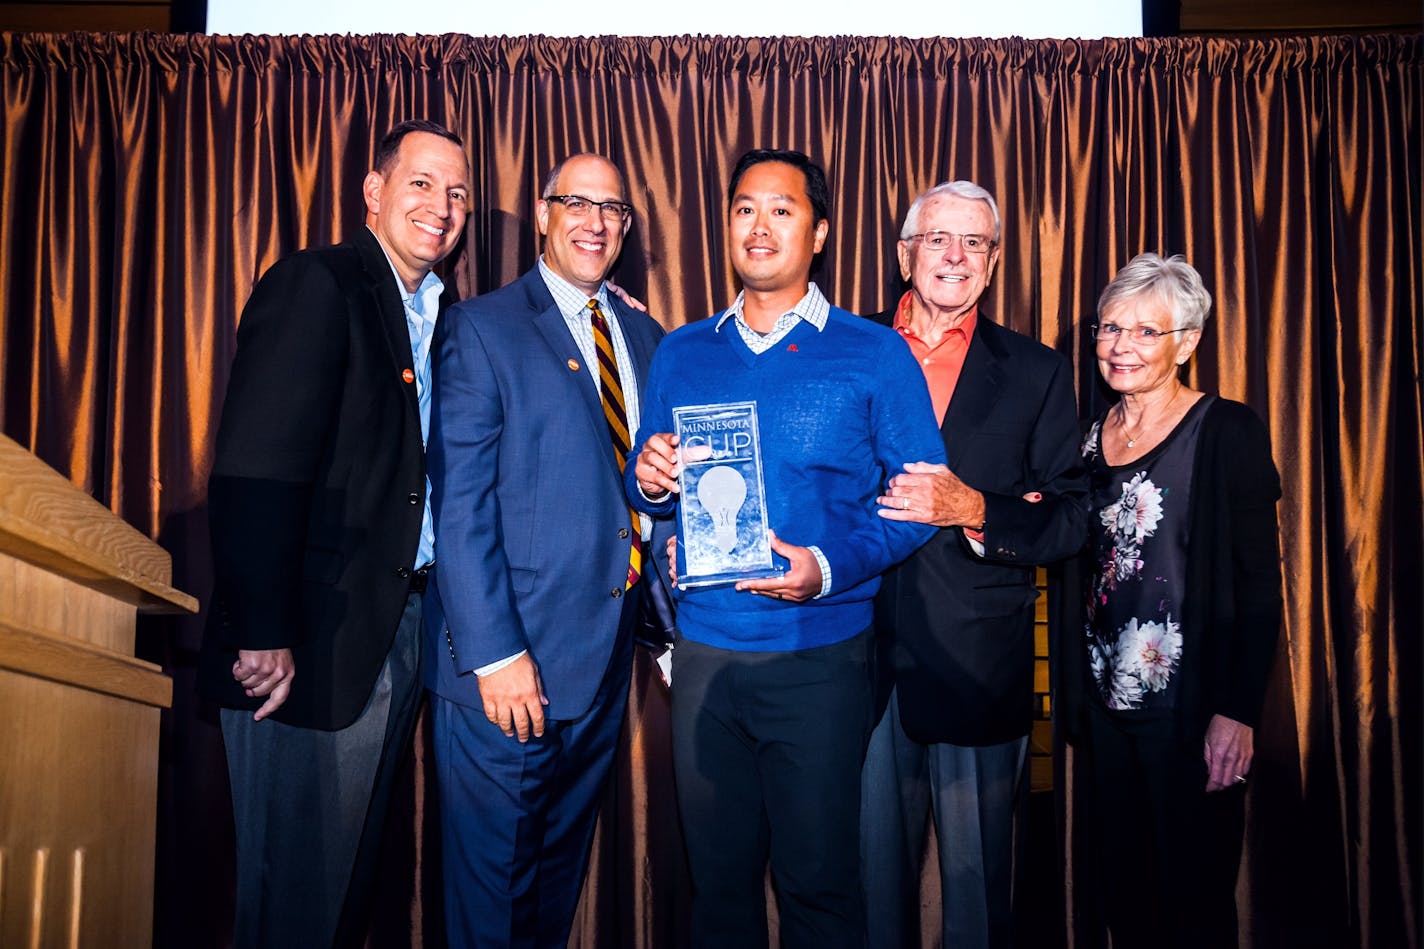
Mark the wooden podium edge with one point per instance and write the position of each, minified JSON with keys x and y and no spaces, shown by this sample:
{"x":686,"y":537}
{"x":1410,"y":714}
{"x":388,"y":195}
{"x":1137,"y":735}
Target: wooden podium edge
{"x":19,"y":539}
{"x":84,"y":665}
{"x":46,"y":520}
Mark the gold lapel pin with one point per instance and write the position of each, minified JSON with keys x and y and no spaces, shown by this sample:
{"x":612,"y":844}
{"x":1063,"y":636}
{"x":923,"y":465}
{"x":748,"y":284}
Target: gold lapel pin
{"x":573,"y":365}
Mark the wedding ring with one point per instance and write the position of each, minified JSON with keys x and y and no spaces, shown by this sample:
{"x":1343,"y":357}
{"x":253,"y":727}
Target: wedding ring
{"x":1239,"y":778}
{"x":904,"y":504}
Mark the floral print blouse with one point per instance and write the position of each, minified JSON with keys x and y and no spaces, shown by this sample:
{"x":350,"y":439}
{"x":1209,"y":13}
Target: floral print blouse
{"x":1134,"y":634}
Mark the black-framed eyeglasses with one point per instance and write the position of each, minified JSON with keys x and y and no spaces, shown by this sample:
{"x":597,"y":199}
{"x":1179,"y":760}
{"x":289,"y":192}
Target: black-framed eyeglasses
{"x":940,"y":240}
{"x":1145,"y":335}
{"x":579,"y":206}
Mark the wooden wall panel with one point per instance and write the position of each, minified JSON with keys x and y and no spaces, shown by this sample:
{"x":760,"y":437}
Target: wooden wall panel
{"x":1299,"y":16}
{"x":118,"y":16}
{"x":1040,"y":745}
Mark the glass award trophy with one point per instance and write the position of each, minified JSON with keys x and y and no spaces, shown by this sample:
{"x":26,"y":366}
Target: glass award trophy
{"x":722,"y":535}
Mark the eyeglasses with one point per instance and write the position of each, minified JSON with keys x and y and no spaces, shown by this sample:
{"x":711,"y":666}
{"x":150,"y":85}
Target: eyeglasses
{"x":579,"y":206}
{"x":940,"y":240}
{"x":1142,"y":335}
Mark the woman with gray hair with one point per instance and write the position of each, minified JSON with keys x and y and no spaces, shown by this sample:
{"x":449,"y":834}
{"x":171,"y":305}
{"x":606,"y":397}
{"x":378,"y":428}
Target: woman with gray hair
{"x":1162,"y":688}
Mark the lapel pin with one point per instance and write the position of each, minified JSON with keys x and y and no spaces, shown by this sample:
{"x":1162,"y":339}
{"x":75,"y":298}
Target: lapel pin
{"x":573,"y":365}
{"x":408,"y":375}
{"x":792,"y":348}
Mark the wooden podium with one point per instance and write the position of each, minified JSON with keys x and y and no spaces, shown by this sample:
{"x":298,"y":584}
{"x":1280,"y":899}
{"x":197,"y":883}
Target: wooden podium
{"x":78,"y":714}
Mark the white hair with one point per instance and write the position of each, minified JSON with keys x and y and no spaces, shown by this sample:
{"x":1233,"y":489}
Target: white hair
{"x":1171,"y":279}
{"x":958,"y":189}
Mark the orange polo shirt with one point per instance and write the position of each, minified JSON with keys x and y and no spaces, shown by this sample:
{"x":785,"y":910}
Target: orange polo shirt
{"x":942,"y":363}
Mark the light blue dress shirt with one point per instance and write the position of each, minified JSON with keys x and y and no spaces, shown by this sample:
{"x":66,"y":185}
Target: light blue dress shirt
{"x":422,"y":309}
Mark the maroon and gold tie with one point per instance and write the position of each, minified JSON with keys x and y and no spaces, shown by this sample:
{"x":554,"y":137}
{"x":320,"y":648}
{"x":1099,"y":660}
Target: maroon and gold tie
{"x":610,"y":387}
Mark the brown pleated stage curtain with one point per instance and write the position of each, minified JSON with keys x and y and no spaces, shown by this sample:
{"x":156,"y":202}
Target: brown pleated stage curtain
{"x":146,"y":181}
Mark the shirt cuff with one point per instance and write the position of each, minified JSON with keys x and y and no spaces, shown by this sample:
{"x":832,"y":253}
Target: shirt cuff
{"x":976,"y":540}
{"x":496,"y":666}
{"x":660,"y":499}
{"x":825,"y":572}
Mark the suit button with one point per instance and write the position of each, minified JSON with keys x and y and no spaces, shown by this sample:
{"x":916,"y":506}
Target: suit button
{"x":413,"y":498}
{"x":623,"y":533}
{"x":403,"y":573}
{"x":616,"y":592}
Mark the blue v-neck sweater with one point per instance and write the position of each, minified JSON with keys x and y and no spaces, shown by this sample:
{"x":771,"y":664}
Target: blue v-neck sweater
{"x":840,"y":411}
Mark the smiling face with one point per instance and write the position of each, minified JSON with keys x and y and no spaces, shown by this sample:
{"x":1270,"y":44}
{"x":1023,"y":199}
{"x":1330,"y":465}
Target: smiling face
{"x":584,"y":249}
{"x":417,"y":207}
{"x":772,"y":229}
{"x":1132,"y":367}
{"x":948,"y":283}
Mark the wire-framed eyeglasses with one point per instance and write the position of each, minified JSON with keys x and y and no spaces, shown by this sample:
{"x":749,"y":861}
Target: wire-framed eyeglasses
{"x":1142,"y":335}
{"x":940,"y":240}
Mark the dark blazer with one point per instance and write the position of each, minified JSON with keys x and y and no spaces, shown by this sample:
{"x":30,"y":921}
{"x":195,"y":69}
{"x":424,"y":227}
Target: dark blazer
{"x":957,"y":628}
{"x":318,"y":486}
{"x":531,"y":525}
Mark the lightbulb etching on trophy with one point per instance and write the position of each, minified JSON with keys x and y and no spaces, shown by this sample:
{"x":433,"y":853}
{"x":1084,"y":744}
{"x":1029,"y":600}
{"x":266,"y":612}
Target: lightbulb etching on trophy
{"x":722,"y":524}
{"x":722,"y":491}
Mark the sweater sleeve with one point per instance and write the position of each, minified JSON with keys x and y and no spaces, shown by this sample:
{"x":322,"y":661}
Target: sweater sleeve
{"x":655,"y":416}
{"x":902,"y":429}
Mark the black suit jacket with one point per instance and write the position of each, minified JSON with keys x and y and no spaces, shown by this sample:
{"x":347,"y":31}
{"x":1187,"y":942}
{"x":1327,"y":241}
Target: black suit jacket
{"x":318,"y":486}
{"x":957,"y":628}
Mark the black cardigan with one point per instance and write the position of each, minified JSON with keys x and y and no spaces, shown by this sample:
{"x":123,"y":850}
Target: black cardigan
{"x":1231,"y":614}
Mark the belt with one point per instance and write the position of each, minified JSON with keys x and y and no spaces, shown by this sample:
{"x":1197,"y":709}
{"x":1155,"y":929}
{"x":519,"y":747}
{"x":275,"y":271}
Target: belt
{"x":420,"y":578}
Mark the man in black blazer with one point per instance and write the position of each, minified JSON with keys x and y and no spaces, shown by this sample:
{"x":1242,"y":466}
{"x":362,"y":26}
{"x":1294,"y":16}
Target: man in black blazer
{"x":322,"y":539}
{"x":955,"y":622}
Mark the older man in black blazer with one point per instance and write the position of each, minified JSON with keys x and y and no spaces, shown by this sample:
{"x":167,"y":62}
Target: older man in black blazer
{"x":955,"y":621}
{"x":321,"y":539}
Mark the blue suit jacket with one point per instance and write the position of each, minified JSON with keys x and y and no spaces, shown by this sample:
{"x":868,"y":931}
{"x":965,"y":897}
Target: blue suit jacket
{"x":531,"y":526}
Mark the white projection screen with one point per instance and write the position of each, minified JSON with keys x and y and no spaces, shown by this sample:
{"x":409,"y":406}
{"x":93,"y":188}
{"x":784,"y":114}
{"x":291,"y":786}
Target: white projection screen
{"x":1035,"y":19}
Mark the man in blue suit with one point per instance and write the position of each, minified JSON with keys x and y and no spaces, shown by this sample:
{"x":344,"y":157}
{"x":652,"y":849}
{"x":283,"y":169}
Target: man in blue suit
{"x":540,"y":565}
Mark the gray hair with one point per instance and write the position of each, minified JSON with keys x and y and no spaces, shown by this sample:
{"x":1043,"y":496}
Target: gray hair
{"x":958,"y":189}
{"x":1172,"y":280}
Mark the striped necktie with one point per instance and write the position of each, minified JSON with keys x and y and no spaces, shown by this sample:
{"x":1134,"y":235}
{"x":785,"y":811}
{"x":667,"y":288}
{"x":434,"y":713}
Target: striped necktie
{"x":610,"y":388}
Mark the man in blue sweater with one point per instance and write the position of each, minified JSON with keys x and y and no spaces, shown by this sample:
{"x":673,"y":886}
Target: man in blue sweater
{"x":771,"y":701}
